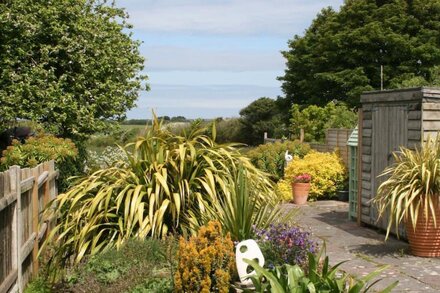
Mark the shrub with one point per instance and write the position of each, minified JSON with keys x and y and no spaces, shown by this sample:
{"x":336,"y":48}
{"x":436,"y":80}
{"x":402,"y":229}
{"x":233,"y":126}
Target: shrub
{"x":282,"y":244}
{"x":270,"y":157}
{"x":40,"y":149}
{"x":315,"y":120}
{"x":206,"y":261}
{"x":109,"y":156}
{"x":230,"y":130}
{"x":168,"y":181}
{"x":327,"y":171}
{"x":241,"y":209}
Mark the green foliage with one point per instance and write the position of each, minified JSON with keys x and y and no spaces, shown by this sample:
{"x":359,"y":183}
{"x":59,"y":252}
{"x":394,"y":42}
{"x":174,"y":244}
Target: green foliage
{"x":144,"y":265}
{"x":206,"y":261}
{"x":270,"y":157}
{"x":341,"y":52}
{"x":38,"y":285}
{"x":243,"y":209}
{"x":327,"y":170}
{"x":262,"y":115}
{"x":70,"y":64}
{"x":42,"y":148}
{"x":37,"y":150}
{"x":412,"y":187}
{"x":316,"y":120}
{"x":319,"y":277}
{"x":167,"y":182}
{"x":230,"y":130}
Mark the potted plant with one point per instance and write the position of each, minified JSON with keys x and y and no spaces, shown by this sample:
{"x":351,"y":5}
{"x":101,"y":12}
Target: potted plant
{"x":411,"y":195}
{"x":301,"y":188}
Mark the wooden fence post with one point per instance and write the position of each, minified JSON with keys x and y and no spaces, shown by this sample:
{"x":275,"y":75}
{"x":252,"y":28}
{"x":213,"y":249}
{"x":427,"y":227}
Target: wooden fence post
{"x":35,"y":220}
{"x":15,"y":174}
{"x":301,"y":135}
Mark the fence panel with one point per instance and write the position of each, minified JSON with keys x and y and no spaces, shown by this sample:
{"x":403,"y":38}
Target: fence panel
{"x":23,"y":195}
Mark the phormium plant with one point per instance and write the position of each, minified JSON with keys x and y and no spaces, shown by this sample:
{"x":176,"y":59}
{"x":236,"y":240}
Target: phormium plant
{"x":165,"y":183}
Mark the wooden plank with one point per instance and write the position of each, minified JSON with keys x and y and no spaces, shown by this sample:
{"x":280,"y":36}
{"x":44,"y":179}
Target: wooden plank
{"x":414,"y":115}
{"x":43,"y":178}
{"x":430,"y":106}
{"x":42,"y":231}
{"x":7,"y":201}
{"x":412,"y":144}
{"x":35,"y":221}
{"x":366,"y":159}
{"x":15,"y":186}
{"x":366,"y":133}
{"x":47,"y":167}
{"x":366,"y":167}
{"x":9,"y":281}
{"x":431,"y":115}
{"x":366,"y":141}
{"x":366,"y":202}
{"x":366,"y":185}
{"x":367,"y":124}
{"x":415,"y":125}
{"x":27,"y":247}
{"x":431,"y":125}
{"x":367,"y":114}
{"x":366,"y":176}
{"x":405,"y":95}
{"x":27,"y":184}
{"x":366,"y":150}
{"x":414,"y":135}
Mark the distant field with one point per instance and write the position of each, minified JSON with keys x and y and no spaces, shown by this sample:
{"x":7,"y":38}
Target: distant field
{"x":127,"y":127}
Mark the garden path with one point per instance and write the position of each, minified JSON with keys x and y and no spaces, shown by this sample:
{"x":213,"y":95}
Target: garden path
{"x":365,"y":249}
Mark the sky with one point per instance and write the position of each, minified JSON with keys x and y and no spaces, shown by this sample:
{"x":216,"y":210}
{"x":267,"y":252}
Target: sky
{"x":211,"y":58}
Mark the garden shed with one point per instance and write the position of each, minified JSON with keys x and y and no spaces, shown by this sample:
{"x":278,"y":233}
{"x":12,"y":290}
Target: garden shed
{"x":391,"y":119}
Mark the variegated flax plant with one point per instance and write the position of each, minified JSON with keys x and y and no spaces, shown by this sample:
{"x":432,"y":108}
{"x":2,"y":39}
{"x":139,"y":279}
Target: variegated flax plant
{"x":413,"y":185}
{"x":170,"y":184}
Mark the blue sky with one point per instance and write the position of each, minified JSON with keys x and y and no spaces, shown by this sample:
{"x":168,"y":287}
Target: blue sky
{"x":211,"y":58}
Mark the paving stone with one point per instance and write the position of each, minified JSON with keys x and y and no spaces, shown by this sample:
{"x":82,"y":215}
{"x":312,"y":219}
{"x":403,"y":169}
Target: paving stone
{"x":366,"y":250}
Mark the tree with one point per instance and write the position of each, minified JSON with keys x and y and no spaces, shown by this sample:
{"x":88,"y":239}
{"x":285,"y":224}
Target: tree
{"x":70,"y":64}
{"x":341,"y":53}
{"x":262,"y":115}
{"x":316,"y":120}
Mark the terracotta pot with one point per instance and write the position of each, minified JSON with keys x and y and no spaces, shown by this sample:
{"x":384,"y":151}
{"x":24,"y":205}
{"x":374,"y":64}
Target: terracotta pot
{"x":300,"y":193}
{"x":425,"y":240}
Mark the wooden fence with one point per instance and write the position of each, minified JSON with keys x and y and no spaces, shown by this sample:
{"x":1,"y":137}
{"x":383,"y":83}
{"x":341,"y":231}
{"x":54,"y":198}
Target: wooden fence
{"x":335,"y":139}
{"x":23,"y":195}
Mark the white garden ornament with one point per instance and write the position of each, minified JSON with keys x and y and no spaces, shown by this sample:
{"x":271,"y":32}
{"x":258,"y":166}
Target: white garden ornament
{"x":288,"y":157}
{"x":247,"y":249}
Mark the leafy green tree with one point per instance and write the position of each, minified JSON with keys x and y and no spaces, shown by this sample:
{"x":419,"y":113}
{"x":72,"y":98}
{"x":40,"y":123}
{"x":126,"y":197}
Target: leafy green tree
{"x":70,"y":64}
{"x":262,"y":115}
{"x":341,"y":53}
{"x":316,"y":120}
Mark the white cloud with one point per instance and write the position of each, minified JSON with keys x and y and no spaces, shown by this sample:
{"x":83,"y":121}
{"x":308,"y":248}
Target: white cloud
{"x":185,"y":58}
{"x":283,"y":17}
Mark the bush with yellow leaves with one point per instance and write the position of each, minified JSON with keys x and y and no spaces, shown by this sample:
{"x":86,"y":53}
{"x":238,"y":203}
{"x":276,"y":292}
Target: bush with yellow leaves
{"x":206,"y":261}
{"x":327,"y":171}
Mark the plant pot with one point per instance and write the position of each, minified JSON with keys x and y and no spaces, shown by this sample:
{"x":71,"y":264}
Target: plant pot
{"x":300,"y":193}
{"x":343,"y":195}
{"x":425,"y":240}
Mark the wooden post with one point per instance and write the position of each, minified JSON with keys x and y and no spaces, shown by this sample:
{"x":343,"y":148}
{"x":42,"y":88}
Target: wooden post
{"x":359,"y":166}
{"x":18,"y":219}
{"x":35,"y":220}
{"x":46,"y":195}
{"x":301,"y":135}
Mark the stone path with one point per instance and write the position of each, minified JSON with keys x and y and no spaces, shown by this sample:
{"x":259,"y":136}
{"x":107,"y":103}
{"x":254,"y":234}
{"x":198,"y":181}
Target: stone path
{"x":365,"y":249}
